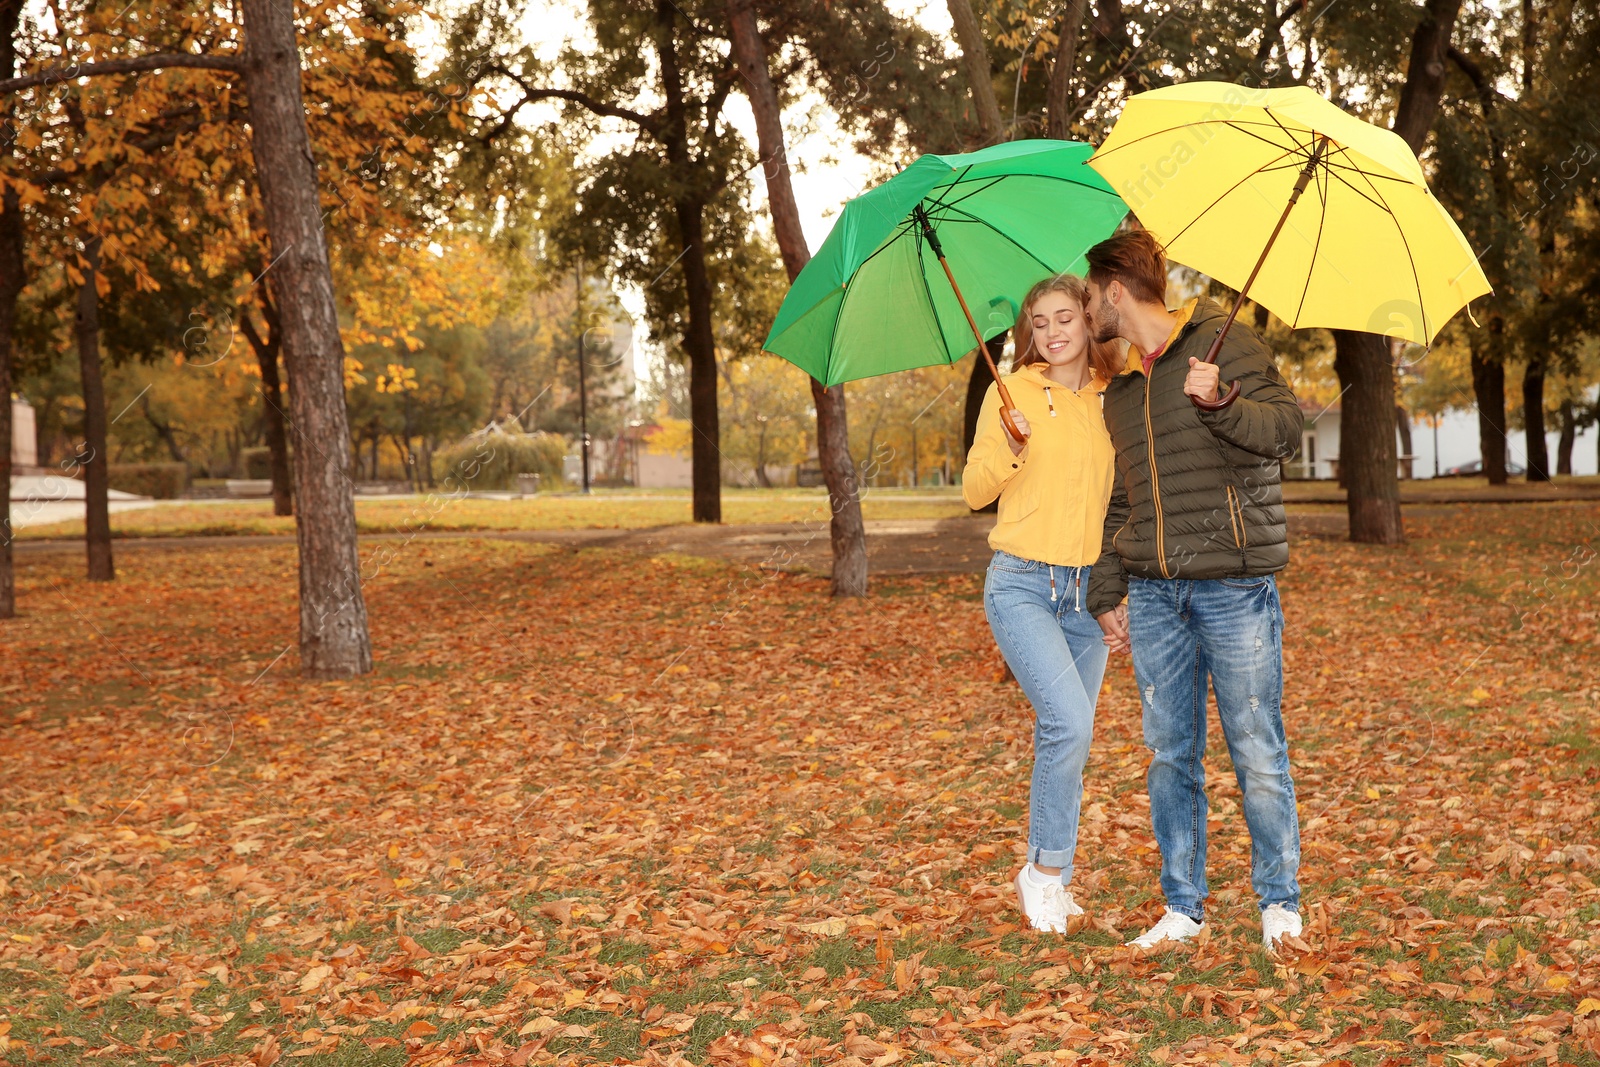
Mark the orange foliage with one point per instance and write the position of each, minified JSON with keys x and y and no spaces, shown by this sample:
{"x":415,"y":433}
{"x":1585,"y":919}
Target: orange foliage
{"x":595,"y":807}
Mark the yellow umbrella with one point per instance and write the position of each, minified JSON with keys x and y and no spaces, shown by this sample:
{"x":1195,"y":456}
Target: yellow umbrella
{"x":1232,"y":179}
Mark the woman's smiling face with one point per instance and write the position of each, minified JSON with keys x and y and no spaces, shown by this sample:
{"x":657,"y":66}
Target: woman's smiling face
{"x":1060,"y":334}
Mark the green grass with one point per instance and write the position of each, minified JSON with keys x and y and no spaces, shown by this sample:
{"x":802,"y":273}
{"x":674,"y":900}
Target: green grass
{"x":604,"y":509}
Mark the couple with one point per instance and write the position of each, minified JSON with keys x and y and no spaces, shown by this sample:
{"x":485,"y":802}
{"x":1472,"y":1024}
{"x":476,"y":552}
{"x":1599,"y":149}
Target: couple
{"x":1143,"y":495}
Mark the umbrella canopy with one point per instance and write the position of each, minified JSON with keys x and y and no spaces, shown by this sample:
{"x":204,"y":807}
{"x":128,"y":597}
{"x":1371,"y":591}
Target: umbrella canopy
{"x":1209,"y":167}
{"x":876,"y":299}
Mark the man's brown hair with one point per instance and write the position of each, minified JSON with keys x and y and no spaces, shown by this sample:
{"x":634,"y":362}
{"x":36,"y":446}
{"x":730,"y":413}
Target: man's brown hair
{"x":1134,"y":258}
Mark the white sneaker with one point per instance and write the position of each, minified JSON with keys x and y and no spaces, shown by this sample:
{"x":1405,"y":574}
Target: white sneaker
{"x":1277,"y":921}
{"x":1046,"y":907}
{"x":1174,"y":926}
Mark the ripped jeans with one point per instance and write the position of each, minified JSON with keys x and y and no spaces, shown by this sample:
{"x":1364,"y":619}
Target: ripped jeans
{"x":1183,"y":630}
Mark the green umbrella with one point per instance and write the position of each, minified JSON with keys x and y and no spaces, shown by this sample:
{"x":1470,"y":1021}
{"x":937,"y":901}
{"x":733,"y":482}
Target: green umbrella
{"x":923,"y":268}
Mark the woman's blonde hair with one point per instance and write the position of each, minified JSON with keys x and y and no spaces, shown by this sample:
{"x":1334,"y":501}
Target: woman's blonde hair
{"x":1104,"y":358}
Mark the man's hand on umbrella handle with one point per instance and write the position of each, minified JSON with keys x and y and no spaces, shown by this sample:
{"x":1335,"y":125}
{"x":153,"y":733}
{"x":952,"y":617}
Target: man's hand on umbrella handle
{"x":1203,"y":385}
{"x":1203,"y":380}
{"x":1018,"y":425}
{"x":1114,"y":624}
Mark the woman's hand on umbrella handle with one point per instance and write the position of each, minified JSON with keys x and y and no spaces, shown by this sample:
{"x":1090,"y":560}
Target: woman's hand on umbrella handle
{"x":1017,"y":430}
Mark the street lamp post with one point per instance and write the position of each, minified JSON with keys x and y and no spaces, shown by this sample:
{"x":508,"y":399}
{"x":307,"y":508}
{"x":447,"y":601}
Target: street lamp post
{"x":583,"y":410}
{"x":1435,"y":421}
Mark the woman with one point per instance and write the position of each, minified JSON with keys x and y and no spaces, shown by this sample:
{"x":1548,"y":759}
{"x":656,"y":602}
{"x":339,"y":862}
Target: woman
{"x":1053,"y":487}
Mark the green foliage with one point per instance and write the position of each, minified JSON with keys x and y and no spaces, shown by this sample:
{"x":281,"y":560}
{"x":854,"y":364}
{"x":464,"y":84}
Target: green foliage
{"x":493,"y":460}
{"x":164,"y":481}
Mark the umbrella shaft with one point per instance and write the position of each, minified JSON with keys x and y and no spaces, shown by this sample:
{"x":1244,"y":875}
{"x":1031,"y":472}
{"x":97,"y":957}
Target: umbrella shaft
{"x":1005,"y":394}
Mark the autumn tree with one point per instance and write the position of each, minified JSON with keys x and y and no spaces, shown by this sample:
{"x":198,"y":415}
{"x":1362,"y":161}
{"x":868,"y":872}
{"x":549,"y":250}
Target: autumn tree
{"x":264,"y":55}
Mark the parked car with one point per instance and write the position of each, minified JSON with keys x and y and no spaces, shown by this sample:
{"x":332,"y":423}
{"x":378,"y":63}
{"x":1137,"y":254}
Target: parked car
{"x":1476,"y":467}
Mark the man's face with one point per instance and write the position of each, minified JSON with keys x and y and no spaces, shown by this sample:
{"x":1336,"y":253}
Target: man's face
{"x":1104,"y":322}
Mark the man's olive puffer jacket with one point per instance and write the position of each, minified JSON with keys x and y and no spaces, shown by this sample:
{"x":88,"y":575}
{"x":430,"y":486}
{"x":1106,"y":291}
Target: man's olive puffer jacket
{"x":1196,"y":493}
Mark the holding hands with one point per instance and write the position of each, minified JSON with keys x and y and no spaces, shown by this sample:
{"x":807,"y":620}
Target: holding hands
{"x":1114,"y":624}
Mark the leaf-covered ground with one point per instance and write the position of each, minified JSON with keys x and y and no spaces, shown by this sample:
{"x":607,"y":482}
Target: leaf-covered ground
{"x":598,"y":808}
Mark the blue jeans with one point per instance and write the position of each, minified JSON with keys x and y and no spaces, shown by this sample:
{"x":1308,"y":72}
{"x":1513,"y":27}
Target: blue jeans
{"x":1232,"y":629}
{"x":1056,"y":650}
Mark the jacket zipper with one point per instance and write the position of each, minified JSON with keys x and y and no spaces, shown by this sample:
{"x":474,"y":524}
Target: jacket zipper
{"x":1155,"y":481}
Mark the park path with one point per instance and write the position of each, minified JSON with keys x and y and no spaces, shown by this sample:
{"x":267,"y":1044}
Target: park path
{"x":894,"y":546}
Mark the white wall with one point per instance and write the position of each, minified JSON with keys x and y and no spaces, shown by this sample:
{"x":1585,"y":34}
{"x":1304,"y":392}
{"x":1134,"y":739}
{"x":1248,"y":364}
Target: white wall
{"x":664,"y":472}
{"x":24,"y":439}
{"x":1458,"y":443}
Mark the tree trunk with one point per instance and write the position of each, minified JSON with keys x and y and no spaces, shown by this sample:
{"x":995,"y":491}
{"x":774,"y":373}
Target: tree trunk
{"x":276,"y":433}
{"x":334,"y":641}
{"x":975,"y":61}
{"x":1363,"y":362}
{"x":96,"y":475}
{"x":1489,"y":390}
{"x":272,"y":420}
{"x":1367,"y":437}
{"x":705,"y":453}
{"x":1533,"y":420}
{"x":1060,"y":97}
{"x":846,"y":532}
{"x":1568,"y":438}
{"x":698,"y":341}
{"x":13,"y":276}
{"x":1419,"y":96}
{"x":163,"y":430}
{"x":977,"y":388}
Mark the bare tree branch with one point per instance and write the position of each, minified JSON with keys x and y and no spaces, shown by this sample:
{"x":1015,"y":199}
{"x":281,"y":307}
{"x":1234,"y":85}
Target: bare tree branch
{"x":131,"y":65}
{"x":648,"y":123}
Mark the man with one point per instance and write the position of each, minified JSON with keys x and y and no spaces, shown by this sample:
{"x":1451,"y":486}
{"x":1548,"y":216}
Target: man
{"x":1193,"y":538}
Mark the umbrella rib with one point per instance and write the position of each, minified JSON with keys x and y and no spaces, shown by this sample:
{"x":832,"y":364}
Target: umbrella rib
{"x":1322,"y":224}
{"x":1342,"y":181}
{"x":1103,"y":151}
{"x":933,"y":309}
{"x":1220,"y":197}
{"x":1354,"y":169}
{"x":1411,"y":261}
{"x":1042,"y":177}
{"x":993,"y":181}
{"x":1303,"y":150}
{"x":1007,"y":237}
{"x":1330,"y":165}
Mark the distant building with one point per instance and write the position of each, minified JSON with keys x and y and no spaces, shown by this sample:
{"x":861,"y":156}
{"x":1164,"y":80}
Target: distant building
{"x":1450,"y":442}
{"x":1318,"y":457}
{"x":24,"y":435}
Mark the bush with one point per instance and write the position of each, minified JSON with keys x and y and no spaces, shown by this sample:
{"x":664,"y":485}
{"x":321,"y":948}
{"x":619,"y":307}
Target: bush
{"x":493,"y":460}
{"x":257,"y":462}
{"x":164,"y":481}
